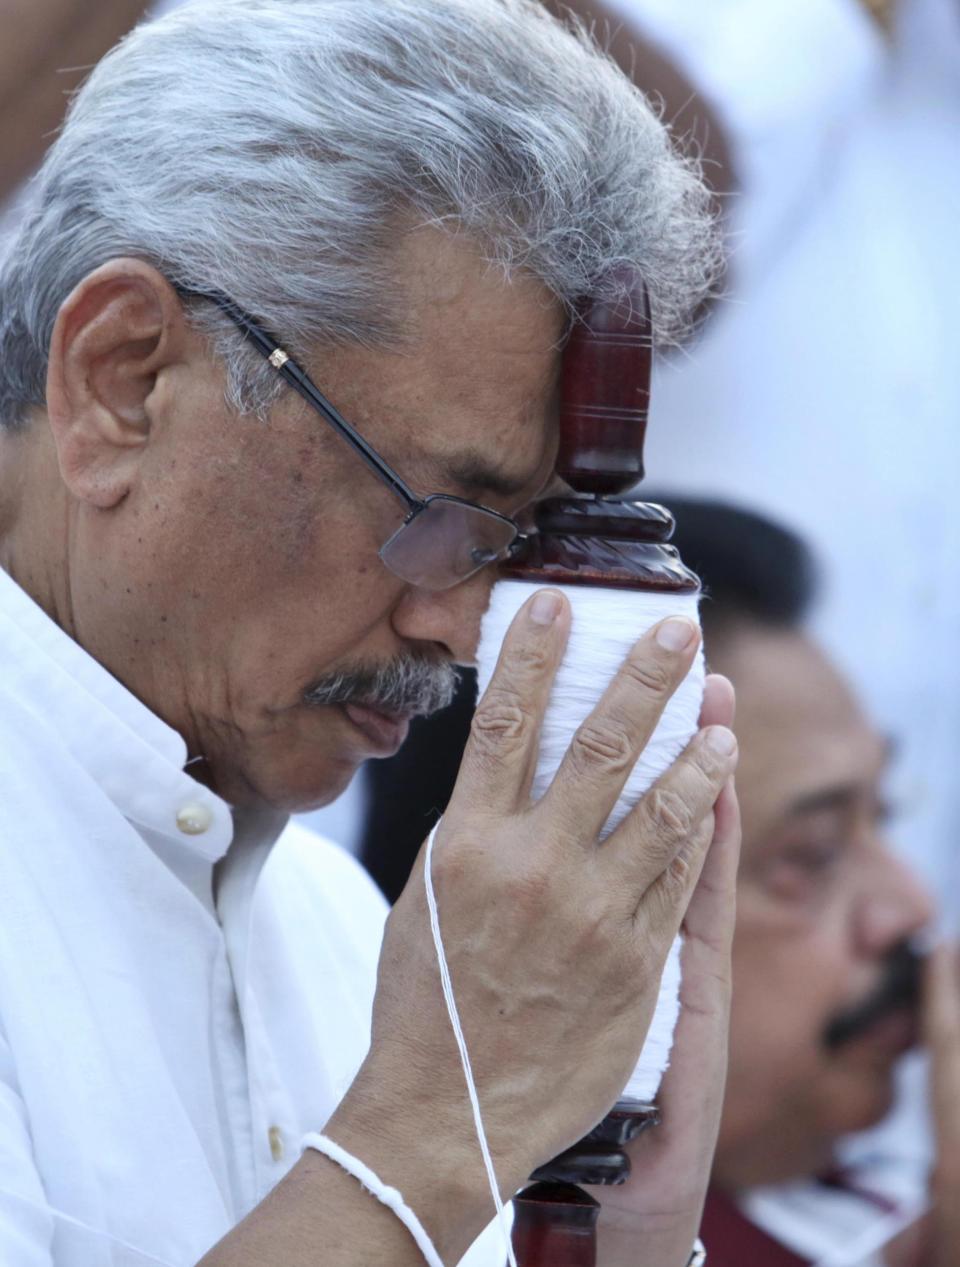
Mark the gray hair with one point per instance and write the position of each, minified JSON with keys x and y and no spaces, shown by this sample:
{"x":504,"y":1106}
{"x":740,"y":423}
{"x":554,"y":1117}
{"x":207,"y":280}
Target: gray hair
{"x":271,"y":149}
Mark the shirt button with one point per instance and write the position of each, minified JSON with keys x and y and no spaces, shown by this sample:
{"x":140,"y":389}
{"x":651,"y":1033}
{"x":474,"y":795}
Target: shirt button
{"x":275,"y":1136}
{"x":193,"y":819}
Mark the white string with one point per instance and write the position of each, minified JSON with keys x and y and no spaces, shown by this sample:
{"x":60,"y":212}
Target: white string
{"x":454,"y":1015}
{"x":386,"y":1195}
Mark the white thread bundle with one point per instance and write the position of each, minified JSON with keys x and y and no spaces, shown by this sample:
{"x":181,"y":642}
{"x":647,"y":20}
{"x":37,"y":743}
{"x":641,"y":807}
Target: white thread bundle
{"x":605,"y":625}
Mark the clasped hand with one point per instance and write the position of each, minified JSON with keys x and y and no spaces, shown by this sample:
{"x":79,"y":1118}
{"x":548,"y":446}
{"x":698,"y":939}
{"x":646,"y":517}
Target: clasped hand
{"x":555,"y":943}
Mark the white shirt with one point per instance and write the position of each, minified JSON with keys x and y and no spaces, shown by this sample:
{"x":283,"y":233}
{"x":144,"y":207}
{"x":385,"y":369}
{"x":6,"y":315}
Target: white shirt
{"x":830,"y":1227}
{"x":161,"y":1056}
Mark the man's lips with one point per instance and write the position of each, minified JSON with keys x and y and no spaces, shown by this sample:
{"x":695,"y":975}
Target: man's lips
{"x":893,"y":1034}
{"x":385,"y":731}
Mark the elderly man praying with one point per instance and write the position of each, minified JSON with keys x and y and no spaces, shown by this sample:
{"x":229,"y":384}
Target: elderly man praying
{"x":278,"y":355}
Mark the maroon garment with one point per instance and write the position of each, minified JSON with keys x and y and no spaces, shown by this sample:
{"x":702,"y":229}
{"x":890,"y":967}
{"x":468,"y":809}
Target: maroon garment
{"x":731,"y":1240}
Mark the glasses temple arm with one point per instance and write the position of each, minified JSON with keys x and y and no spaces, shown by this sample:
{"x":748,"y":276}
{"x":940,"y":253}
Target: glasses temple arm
{"x":300,"y":381}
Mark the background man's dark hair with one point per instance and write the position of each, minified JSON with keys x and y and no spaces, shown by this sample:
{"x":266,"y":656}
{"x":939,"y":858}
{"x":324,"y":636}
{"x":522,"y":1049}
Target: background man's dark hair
{"x":753,"y":570}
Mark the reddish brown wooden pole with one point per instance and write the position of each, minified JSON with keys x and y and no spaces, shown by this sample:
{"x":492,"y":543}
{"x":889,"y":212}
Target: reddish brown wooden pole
{"x":555,"y":1223}
{"x":597,"y":537}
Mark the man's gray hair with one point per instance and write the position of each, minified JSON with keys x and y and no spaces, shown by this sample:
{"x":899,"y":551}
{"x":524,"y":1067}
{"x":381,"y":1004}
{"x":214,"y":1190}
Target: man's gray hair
{"x":272,"y":150}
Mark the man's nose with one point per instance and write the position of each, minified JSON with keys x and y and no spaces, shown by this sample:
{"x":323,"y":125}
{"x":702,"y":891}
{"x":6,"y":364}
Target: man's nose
{"x":450,"y":619}
{"x":894,"y":903}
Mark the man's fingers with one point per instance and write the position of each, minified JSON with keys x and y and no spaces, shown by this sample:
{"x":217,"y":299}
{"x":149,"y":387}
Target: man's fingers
{"x":941,"y":1021}
{"x":691,"y":1094}
{"x":719,"y":701}
{"x":663,"y":839}
{"x":711,"y":915}
{"x":607,"y":745}
{"x":501,"y":752}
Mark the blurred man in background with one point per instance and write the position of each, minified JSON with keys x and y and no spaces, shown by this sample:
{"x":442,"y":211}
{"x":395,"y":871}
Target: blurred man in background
{"x":826,"y":994}
{"x":823,"y":1008}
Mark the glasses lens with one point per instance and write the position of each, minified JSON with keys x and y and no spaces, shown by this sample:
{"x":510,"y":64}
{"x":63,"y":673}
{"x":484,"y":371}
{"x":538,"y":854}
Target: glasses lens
{"x":445,"y":542}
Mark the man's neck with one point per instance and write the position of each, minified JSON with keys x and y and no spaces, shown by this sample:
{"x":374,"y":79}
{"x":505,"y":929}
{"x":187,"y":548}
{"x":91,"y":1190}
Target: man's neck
{"x":34,"y":520}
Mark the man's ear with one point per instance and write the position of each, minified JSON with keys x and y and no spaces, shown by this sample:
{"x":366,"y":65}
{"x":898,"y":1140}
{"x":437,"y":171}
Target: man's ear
{"x":120,"y":327}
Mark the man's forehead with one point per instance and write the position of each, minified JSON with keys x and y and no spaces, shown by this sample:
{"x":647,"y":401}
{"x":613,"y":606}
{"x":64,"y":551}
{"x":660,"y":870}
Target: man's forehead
{"x":467,"y":399}
{"x":507,"y":468}
{"x":492,"y":437}
{"x":784,"y":679}
{"x":805,"y":743}
{"x":473,"y":327}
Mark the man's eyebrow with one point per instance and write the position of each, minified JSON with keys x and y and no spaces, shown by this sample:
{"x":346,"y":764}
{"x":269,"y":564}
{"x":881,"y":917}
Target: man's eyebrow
{"x":830,"y":798}
{"x":841,"y":795}
{"x":475,"y":473}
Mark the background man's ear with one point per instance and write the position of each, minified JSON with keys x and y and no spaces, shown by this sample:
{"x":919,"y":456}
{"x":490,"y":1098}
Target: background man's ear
{"x":119,"y":328}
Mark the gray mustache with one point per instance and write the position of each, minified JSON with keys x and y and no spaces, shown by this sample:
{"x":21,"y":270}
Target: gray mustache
{"x":408,"y":685}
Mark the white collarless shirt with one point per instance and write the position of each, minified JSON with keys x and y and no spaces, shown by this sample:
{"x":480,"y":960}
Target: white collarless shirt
{"x":161,"y":1053}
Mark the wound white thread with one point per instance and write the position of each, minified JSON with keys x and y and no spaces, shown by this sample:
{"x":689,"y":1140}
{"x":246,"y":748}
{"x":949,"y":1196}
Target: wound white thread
{"x":386,"y":1195}
{"x":605,"y":625}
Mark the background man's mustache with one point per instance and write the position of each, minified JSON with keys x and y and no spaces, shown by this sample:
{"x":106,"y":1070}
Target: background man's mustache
{"x":408,"y":685}
{"x":899,"y":989}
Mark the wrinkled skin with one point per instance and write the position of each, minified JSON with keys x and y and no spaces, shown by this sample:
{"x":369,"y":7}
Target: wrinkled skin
{"x":219,"y":565}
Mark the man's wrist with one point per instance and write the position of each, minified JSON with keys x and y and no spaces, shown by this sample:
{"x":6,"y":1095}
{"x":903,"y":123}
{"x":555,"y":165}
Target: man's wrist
{"x":435,"y":1163}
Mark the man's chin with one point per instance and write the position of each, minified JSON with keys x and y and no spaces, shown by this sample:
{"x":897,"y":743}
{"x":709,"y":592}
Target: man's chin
{"x":867,"y":1101}
{"x":312,"y":791}
{"x":285,"y":787}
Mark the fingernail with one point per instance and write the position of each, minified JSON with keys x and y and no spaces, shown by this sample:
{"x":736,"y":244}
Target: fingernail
{"x":676,"y":633}
{"x":721,"y":740}
{"x":545,"y":607}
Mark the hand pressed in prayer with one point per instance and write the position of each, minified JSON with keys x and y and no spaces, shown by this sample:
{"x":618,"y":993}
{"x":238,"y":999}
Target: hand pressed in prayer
{"x":555,"y":945}
{"x":654,"y":1218}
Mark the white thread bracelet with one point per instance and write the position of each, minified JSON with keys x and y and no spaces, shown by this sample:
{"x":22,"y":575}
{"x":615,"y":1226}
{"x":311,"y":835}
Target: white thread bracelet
{"x":386,"y":1195}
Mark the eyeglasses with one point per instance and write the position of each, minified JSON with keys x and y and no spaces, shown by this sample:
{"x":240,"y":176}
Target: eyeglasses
{"x":443,"y":540}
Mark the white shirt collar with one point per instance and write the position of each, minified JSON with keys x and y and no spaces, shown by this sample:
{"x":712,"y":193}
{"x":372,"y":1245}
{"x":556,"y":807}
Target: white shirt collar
{"x":134,"y":756}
